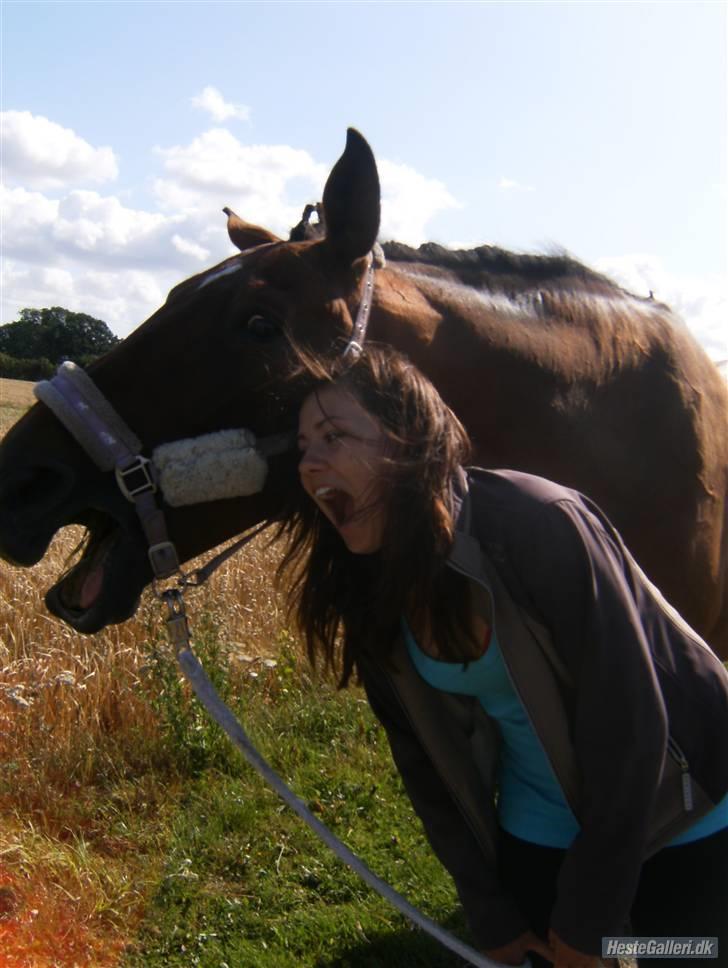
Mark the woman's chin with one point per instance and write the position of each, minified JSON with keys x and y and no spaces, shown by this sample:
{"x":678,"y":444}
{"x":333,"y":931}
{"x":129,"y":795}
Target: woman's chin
{"x":358,"y":541}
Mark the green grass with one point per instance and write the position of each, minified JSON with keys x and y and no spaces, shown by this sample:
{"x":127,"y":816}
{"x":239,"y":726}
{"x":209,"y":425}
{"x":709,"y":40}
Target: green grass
{"x":245,"y":883}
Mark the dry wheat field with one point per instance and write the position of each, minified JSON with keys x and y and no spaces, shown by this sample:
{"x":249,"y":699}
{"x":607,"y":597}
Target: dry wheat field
{"x":75,"y":712}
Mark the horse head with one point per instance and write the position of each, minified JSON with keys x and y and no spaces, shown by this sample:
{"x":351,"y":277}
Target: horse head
{"x":209,"y":359}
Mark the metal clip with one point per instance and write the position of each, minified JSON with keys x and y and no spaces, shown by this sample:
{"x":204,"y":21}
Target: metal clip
{"x":178,"y":631}
{"x":141,"y":466}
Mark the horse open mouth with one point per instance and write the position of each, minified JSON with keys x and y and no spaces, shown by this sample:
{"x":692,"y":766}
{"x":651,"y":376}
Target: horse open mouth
{"x":81,"y":595}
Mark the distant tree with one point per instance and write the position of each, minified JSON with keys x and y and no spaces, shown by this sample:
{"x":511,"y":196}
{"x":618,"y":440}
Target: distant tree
{"x":56,"y":334}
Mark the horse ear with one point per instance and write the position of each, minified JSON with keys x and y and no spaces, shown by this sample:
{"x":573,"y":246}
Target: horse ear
{"x":351,"y":201}
{"x":244,"y":235}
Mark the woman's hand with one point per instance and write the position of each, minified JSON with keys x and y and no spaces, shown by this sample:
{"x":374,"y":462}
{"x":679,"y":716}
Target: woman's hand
{"x":564,"y":956}
{"x":516,"y":952}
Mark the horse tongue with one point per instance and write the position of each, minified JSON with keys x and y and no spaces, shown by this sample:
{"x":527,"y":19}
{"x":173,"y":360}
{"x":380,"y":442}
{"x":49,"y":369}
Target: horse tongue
{"x":91,"y":587}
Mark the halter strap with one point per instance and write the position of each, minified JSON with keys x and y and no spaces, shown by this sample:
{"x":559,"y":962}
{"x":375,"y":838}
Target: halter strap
{"x":83,"y":410}
{"x":358,"y":334}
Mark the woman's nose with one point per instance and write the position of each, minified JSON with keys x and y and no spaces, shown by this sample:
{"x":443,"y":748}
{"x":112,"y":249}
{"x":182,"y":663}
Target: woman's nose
{"x":311,"y":458}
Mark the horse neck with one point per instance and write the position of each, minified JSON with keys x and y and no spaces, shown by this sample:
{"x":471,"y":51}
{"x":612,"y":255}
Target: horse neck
{"x":574,"y":327}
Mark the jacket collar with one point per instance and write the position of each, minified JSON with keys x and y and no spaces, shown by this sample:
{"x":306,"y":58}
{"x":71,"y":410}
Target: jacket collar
{"x":465,"y":554}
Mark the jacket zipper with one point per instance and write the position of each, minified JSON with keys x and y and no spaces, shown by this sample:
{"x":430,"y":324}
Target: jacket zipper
{"x":687,"y":786}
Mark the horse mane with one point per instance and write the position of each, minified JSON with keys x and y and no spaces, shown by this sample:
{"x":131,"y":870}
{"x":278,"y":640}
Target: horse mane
{"x":486,"y":265}
{"x":500,"y":268}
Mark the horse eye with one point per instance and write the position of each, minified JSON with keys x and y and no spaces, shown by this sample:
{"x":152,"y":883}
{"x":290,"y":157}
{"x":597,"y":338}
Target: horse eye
{"x":262,"y":328}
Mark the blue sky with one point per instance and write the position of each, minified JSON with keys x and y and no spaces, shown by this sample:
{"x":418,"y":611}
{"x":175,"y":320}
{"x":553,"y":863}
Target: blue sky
{"x":596,"y":127}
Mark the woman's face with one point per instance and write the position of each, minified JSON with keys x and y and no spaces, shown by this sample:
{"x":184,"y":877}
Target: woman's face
{"x":342,"y":447}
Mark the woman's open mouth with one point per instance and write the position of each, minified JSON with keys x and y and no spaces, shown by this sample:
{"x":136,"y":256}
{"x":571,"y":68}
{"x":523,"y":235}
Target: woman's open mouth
{"x":338,"y":504}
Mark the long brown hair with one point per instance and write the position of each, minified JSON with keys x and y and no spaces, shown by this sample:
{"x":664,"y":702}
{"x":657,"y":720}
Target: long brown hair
{"x":348,"y":604}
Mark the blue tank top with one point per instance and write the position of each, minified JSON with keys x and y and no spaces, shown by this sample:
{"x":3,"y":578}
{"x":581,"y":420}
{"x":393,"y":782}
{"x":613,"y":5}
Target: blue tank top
{"x":531,"y":805}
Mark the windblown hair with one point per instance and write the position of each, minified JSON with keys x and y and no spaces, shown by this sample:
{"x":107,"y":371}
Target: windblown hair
{"x":347,"y":604}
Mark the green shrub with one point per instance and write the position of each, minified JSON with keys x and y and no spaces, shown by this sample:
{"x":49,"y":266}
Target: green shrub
{"x":12,"y":368}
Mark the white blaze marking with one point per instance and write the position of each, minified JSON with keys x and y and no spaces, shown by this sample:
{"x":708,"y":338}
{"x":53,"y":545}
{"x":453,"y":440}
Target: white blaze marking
{"x":220,"y":272}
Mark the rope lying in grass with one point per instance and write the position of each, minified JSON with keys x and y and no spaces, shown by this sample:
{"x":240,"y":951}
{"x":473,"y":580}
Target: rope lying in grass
{"x":208,"y":696}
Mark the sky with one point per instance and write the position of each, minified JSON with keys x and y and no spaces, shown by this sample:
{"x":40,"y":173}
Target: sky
{"x":596,"y":128}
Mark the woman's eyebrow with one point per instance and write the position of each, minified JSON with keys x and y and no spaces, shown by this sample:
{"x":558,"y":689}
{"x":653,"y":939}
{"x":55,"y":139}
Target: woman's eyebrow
{"x":329,"y":418}
{"x":326,"y":419}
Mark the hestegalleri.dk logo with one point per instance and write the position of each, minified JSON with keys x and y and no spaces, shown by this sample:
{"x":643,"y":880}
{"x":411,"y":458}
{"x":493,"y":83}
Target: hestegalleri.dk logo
{"x":659,"y":947}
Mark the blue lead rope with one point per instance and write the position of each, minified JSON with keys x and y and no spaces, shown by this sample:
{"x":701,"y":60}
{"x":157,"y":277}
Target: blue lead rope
{"x":79,"y":405}
{"x":210,"y":699}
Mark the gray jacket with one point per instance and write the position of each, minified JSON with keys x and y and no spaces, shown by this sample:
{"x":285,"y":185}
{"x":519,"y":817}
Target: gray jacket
{"x":630,"y":705}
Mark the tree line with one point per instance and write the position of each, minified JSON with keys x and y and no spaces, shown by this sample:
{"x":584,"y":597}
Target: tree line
{"x":34,"y":344}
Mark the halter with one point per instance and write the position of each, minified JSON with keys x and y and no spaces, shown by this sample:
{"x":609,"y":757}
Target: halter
{"x":358,"y":334}
{"x":84,"y":411}
{"x":94,"y":423}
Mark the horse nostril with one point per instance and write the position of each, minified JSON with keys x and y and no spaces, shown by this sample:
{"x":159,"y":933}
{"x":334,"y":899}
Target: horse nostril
{"x":38,"y":489}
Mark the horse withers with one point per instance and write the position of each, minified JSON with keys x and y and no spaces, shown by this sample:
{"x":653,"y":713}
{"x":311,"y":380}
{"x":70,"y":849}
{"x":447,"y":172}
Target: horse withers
{"x":552,"y":367}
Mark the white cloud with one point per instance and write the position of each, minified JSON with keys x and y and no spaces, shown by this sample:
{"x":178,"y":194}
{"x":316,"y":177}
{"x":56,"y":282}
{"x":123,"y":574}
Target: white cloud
{"x":700,"y":300}
{"x":510,"y":185}
{"x":212,"y":101}
{"x":267,"y":184}
{"x":90,"y":222}
{"x":409,"y":201}
{"x":122,"y":298}
{"x":270,"y":184}
{"x":85,"y":228}
{"x":27,"y":218}
{"x":39,"y":153}
{"x":188,"y":247}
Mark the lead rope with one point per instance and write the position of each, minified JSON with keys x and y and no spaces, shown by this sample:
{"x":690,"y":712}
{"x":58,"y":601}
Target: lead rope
{"x":79,"y":405}
{"x":179,"y":635}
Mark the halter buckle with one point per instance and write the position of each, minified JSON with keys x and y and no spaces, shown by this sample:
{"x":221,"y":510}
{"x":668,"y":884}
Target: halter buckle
{"x":163,"y":559}
{"x":136,"y":478}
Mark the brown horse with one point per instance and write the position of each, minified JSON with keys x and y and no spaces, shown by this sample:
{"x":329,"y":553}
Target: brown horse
{"x":553,"y":368}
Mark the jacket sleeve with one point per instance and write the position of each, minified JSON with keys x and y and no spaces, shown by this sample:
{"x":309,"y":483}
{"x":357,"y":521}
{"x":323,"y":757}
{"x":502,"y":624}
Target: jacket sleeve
{"x":576,"y":573}
{"x":492,"y":916}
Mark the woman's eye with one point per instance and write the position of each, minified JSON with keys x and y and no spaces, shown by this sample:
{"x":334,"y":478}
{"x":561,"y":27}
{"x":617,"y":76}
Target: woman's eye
{"x":333,"y":437}
{"x":262,"y":327}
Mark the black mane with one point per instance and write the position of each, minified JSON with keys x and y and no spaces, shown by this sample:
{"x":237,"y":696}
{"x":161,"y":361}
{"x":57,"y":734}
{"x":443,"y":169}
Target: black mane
{"x":483,"y":265}
{"x":488,"y":261}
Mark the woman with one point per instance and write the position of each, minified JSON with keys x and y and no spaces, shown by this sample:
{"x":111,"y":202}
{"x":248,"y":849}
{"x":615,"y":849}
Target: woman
{"x":560,"y":730}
